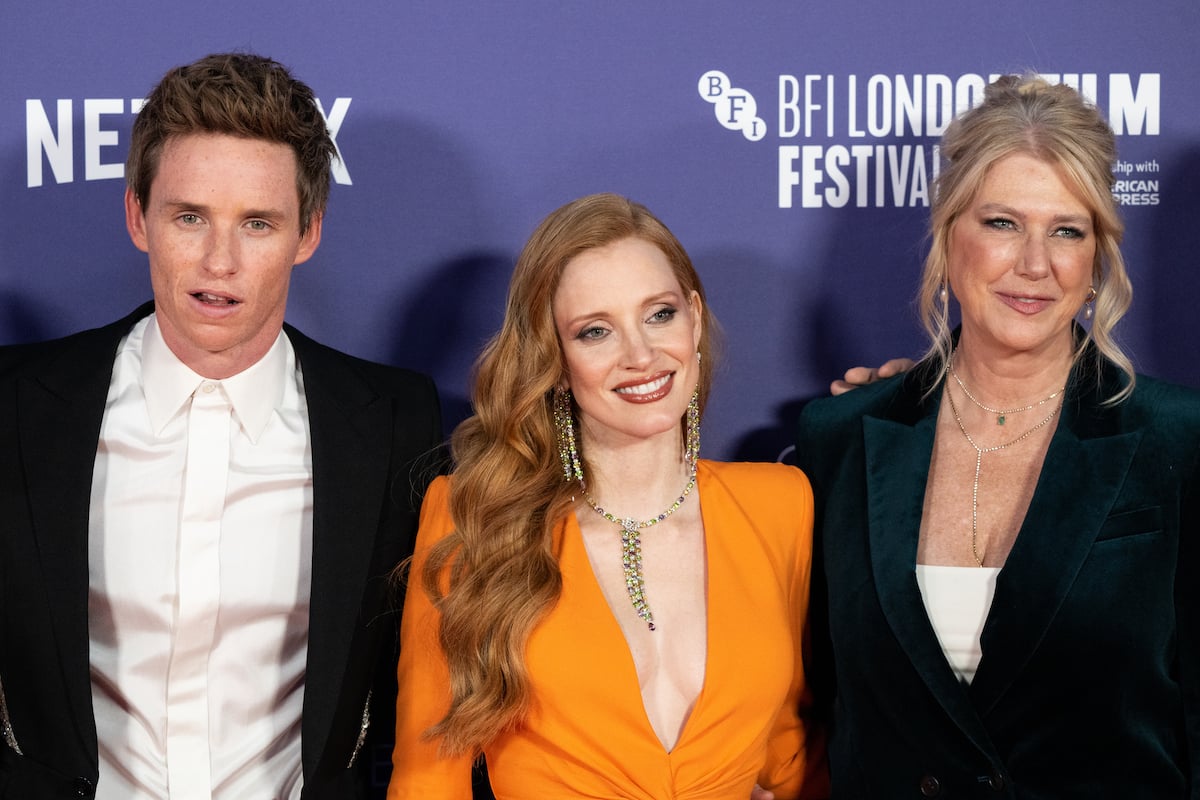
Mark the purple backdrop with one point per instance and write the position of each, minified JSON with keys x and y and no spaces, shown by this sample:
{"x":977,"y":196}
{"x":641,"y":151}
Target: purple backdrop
{"x":795,"y":177}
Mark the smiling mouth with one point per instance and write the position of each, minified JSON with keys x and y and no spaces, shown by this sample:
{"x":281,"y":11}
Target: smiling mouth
{"x":1024,"y":304}
{"x":214,"y":300}
{"x":645,"y":389}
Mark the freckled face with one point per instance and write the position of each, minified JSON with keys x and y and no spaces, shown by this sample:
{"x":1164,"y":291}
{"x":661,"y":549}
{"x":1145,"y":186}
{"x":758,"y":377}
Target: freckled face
{"x":1020,"y":259}
{"x":222,"y":230}
{"x":629,"y":335}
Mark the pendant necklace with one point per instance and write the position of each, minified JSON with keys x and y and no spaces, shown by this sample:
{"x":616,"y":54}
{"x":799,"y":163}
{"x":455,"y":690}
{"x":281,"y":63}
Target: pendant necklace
{"x":979,"y":451}
{"x":1001,"y":414}
{"x":631,"y":546}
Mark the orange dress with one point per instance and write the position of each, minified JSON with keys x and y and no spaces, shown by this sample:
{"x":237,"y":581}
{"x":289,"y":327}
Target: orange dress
{"x":587,"y":735}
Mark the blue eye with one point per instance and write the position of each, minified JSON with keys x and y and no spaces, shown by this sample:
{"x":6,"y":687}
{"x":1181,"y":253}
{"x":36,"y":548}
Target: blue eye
{"x":1000,"y":223}
{"x":189,"y":219}
{"x":1068,"y":232}
{"x":664,"y":314}
{"x":591,"y":334}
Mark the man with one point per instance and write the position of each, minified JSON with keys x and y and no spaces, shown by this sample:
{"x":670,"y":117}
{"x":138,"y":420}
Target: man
{"x":201,"y":506}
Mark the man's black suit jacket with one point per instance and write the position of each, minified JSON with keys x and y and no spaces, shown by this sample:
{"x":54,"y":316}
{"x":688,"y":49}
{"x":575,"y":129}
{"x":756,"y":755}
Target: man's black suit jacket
{"x":372,"y":428}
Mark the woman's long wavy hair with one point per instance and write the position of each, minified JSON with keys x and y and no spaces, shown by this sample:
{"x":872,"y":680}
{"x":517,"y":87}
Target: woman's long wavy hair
{"x":496,"y":575}
{"x":1055,"y":124}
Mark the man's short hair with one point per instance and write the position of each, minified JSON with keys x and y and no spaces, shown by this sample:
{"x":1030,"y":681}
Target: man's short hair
{"x":238,"y":95}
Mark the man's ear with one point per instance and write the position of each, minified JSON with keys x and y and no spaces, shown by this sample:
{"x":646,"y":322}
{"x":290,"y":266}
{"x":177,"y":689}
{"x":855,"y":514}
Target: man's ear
{"x":310,"y":239}
{"x":135,"y":221}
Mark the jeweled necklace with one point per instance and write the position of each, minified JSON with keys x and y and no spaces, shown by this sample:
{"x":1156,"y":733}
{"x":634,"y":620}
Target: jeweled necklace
{"x":979,"y":451}
{"x":631,"y":546}
{"x":1001,"y":414}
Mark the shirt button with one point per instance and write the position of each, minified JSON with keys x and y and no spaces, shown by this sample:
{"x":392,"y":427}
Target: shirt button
{"x":208,"y":388}
{"x":930,"y":786}
{"x":996,"y":781}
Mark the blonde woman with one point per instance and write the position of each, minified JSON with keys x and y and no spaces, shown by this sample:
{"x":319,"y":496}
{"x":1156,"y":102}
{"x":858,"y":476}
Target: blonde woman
{"x":1011,"y":531}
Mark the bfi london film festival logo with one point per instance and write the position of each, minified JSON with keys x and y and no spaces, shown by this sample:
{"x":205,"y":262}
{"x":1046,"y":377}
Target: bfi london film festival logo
{"x":873,"y":141}
{"x":50,"y":138}
{"x":736,"y":109}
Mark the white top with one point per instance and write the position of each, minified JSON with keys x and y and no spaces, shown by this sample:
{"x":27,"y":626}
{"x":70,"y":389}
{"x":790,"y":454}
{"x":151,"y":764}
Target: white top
{"x":957,"y":600}
{"x":200,"y":554}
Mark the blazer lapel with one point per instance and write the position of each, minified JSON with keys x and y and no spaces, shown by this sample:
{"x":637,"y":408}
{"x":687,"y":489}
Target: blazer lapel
{"x":61,"y":410}
{"x":350,"y":426}
{"x":897,"y":460}
{"x":1080,"y":480}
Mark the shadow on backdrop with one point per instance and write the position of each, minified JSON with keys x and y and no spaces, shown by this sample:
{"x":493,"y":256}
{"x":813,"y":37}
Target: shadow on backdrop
{"x":867,"y":268}
{"x":444,"y":322}
{"x":22,"y":319}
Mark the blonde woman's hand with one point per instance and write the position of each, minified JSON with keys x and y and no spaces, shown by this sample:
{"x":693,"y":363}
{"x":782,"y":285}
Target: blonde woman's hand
{"x":861,"y":376}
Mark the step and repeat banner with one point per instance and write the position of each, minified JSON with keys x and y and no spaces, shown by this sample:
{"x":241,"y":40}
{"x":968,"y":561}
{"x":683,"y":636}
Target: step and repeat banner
{"x":791,"y":146}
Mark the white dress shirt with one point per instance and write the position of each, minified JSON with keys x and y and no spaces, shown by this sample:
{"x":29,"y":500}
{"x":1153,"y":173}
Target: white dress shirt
{"x":200,"y":577}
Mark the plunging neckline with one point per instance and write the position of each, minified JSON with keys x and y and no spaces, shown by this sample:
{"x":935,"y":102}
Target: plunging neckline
{"x":614,"y":630}
{"x":585,"y":734}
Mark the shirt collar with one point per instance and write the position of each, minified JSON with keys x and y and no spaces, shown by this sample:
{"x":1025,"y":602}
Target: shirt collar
{"x":255,"y":392}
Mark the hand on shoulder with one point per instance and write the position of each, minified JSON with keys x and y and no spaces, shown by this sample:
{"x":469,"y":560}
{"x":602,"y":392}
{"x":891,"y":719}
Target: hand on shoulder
{"x":863,"y":376}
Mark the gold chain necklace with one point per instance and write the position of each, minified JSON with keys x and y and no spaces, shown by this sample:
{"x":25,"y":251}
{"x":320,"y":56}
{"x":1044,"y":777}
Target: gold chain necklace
{"x":631,"y":546}
{"x":1001,"y":414}
{"x":979,"y":451}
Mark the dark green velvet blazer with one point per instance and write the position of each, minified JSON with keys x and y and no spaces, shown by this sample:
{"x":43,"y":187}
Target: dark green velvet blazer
{"x":1089,"y":685}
